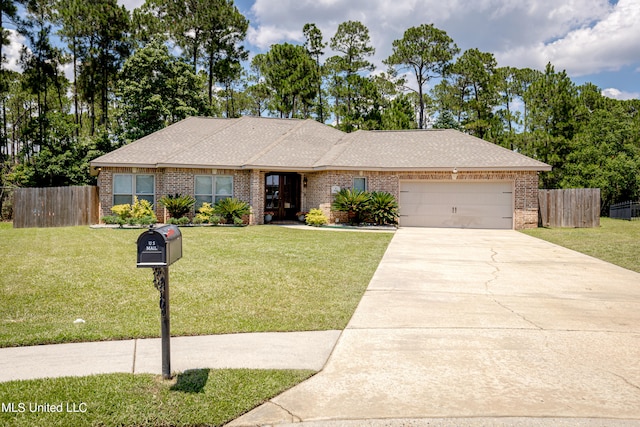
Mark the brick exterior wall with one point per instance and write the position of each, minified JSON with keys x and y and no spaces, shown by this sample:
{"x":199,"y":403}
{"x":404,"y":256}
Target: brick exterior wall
{"x":248,"y":185}
{"x":525,"y":184}
{"x":170,"y":181}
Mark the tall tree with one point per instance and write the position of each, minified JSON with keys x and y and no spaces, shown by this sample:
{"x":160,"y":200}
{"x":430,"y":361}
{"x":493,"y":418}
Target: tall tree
{"x":257,"y":91}
{"x":225,"y":29}
{"x":315,"y":45}
{"x":426,"y":51}
{"x":448,"y":98}
{"x":42,"y":67}
{"x":107,"y":47}
{"x":352,"y":40}
{"x":208,"y":32}
{"x":155,"y":90}
{"x":605,"y":151}
{"x":292,"y":76}
{"x":399,"y":114}
{"x":475,"y":76}
{"x":522,"y":79}
{"x":72,"y":18}
{"x":552,"y":101}
{"x":8,"y":16}
{"x":228,"y":71}
{"x":511,"y":118}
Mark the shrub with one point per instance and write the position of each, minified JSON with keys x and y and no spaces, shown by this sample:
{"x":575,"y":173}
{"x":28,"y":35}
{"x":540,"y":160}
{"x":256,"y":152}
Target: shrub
{"x":143,"y":210}
{"x":354,"y":202}
{"x":179,"y":221}
{"x":383,"y":208}
{"x":231,"y":209}
{"x":177,"y":205}
{"x":316,"y":218}
{"x":141,"y":213}
{"x":143,"y":220}
{"x":113,"y":219}
{"x":206,"y":215}
{"x":122,"y":211}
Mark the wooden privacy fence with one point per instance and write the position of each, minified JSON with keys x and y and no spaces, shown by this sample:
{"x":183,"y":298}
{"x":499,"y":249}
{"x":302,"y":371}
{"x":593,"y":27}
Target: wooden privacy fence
{"x":574,"y":207}
{"x":55,"y":206}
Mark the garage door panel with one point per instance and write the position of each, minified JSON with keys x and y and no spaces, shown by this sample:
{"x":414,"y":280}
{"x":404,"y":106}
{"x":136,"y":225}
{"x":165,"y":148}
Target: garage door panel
{"x":460,"y":205}
{"x":484,"y":198}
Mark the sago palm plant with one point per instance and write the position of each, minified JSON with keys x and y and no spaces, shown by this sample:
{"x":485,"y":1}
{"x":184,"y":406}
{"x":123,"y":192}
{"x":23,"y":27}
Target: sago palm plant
{"x":383,"y":208}
{"x":232,"y":210}
{"x":354,"y":202}
{"x":177,"y":205}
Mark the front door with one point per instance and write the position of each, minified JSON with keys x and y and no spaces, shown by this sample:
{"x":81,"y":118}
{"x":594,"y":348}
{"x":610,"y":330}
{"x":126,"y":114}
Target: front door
{"x":282,"y":195}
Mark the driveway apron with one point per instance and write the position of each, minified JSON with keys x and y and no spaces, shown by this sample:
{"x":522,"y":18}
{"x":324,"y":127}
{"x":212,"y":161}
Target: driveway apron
{"x":479,"y":323}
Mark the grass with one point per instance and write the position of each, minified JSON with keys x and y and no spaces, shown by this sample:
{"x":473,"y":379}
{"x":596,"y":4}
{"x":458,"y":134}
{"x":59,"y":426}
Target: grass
{"x":229,"y":280}
{"x":196,"y":398}
{"x":247,"y":279}
{"x":615,"y":241}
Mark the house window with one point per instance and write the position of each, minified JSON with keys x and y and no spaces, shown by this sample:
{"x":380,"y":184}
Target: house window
{"x":211,"y":189}
{"x":360,"y":184}
{"x":126,"y":186}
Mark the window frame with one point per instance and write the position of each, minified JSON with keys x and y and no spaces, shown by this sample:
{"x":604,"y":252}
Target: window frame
{"x":134,"y":188}
{"x":365,"y":181}
{"x":214,"y":196}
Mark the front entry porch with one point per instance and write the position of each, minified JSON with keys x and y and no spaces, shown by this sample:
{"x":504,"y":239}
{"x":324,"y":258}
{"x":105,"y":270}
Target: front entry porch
{"x":282,"y":195}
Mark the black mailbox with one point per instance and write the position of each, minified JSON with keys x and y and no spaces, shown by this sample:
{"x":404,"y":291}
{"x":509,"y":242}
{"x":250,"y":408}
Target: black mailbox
{"x":159,"y":247}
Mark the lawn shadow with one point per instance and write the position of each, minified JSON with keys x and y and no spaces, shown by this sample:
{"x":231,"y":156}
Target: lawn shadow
{"x":191,"y":381}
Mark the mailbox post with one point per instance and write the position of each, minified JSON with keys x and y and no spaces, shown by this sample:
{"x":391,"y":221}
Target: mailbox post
{"x":158,"y":248}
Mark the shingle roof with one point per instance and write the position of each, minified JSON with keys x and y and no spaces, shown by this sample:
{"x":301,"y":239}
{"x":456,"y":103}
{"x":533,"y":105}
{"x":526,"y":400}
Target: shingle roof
{"x":435,"y":149}
{"x":268,"y":143}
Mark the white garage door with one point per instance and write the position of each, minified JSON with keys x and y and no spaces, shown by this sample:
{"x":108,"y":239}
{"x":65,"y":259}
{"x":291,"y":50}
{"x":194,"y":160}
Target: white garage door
{"x":456,"y":204}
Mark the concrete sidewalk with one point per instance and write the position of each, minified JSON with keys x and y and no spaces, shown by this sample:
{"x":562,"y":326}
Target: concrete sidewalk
{"x":286,"y":350}
{"x":479,"y":327}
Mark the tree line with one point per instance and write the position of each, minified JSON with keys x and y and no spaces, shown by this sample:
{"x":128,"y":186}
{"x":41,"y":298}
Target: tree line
{"x":134,"y":73}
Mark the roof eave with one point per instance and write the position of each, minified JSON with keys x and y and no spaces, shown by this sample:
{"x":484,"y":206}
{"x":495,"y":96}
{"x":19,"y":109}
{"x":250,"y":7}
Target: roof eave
{"x":197,"y":166}
{"x":544,"y":168}
{"x":122,"y":165}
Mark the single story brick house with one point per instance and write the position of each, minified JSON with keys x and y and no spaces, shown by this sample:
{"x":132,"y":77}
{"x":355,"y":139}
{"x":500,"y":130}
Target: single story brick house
{"x":441,"y":178}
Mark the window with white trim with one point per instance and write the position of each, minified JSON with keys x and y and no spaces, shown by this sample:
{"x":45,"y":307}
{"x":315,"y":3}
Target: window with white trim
{"x":126,"y":186}
{"x":212,"y":188}
{"x":360,"y":183}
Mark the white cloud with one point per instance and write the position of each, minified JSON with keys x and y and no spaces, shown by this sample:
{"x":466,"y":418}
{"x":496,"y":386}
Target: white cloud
{"x":606,"y":45}
{"x":12,"y":51}
{"x":618,"y":94}
{"x":131,"y":4}
{"x":521,"y":34}
{"x":12,"y":54}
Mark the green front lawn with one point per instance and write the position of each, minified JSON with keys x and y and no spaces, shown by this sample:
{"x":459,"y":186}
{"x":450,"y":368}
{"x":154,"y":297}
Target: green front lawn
{"x":615,"y":241}
{"x":195,"y":398}
{"x":230,"y":280}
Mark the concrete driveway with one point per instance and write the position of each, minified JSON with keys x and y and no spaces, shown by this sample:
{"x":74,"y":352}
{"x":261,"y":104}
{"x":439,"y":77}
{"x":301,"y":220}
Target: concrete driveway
{"x":487,"y":327}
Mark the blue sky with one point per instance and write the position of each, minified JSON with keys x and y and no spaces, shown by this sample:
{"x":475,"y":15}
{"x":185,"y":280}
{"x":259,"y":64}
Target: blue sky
{"x":595,"y":41}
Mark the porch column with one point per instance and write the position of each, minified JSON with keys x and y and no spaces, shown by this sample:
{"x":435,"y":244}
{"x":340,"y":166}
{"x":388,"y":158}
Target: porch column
{"x":257,"y":197}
